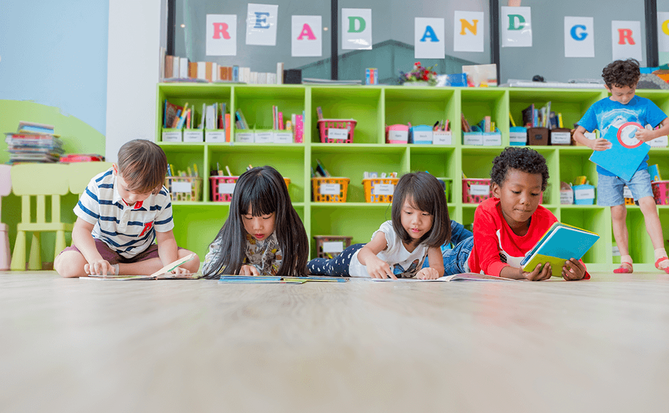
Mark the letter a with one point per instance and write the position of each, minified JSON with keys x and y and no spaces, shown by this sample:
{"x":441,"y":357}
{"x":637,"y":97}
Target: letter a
{"x":466,"y":25}
{"x":625,"y":34}
{"x":306,"y":31}
{"x":221,"y":29}
{"x":429,"y":33}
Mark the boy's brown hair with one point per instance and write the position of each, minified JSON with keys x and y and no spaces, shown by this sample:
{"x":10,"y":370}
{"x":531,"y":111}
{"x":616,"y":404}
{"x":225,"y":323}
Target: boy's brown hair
{"x":143,"y":165}
{"x":621,"y":73}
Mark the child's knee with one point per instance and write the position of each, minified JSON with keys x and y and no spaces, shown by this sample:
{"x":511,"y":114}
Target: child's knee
{"x":70,"y":264}
{"x":618,"y":213}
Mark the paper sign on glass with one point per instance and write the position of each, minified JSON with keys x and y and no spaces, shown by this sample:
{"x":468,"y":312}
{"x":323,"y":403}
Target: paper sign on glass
{"x":429,"y":38}
{"x":306,"y":36}
{"x":626,"y":152}
{"x":626,"y":38}
{"x":579,"y":37}
{"x":468,"y":29}
{"x":356,"y":29}
{"x":261,"y":24}
{"x":221,"y":35}
{"x":663,"y":31}
{"x":516,"y":26}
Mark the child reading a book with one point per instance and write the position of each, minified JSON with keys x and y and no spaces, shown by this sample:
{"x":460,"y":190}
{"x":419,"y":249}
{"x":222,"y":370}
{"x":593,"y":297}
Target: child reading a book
{"x":623,"y":106}
{"x":509,"y":224}
{"x":120,"y":215}
{"x":419,"y":226}
{"x":263,"y":234}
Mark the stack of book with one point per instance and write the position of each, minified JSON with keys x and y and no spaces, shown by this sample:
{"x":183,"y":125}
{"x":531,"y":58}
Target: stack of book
{"x":180,"y":69}
{"x":33,"y":142}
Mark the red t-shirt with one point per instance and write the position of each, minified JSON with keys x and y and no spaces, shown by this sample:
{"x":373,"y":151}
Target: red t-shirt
{"x":495,"y":243}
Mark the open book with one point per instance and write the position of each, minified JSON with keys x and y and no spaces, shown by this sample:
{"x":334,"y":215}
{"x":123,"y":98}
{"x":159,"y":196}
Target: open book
{"x":161,"y":274}
{"x":264,"y":279}
{"x":469,"y":276}
{"x":560,"y":243}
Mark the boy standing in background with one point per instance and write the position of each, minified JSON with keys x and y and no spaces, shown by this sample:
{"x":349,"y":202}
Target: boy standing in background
{"x":621,"y":78}
{"x":121,"y":213}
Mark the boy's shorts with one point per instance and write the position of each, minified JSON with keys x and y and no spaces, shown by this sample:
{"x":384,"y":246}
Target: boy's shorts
{"x":114,"y":257}
{"x":610,"y":188}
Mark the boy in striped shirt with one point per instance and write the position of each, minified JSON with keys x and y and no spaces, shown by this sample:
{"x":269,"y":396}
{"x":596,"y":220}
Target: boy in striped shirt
{"x":121,"y":213}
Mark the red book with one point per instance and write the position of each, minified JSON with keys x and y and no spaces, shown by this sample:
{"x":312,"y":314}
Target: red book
{"x":227,"y":127}
{"x":281,"y":127}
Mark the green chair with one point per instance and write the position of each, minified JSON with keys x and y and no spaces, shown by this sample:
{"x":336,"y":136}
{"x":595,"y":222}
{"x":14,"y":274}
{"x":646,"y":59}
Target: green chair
{"x":39,"y":181}
{"x":81,"y":174}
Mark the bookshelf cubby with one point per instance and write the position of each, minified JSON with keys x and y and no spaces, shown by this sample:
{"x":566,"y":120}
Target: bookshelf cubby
{"x":374,"y":107}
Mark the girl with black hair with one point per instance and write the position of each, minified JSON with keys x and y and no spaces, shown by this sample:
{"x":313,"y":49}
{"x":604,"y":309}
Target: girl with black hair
{"x":263,"y":234}
{"x":419,"y":226}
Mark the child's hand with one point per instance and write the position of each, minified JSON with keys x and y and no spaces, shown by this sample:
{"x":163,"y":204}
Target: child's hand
{"x":427,"y":274}
{"x":377,"y":268}
{"x":99,"y":267}
{"x":248,"y":270}
{"x":180,"y":271}
{"x":599,"y":144}
{"x":539,"y":274}
{"x":644,"y":135}
{"x":573,"y":270}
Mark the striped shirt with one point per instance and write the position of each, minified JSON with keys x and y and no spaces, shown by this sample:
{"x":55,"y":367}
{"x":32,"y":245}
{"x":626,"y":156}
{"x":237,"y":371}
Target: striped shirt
{"x":128,"y":230}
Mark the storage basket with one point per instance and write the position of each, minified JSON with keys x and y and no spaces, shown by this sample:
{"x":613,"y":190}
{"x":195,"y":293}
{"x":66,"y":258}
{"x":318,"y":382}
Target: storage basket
{"x":475,"y":191}
{"x":328,"y":251}
{"x":379,"y":189}
{"x":661,"y":192}
{"x":325,"y":124}
{"x":178,"y":186}
{"x":324,"y":189}
{"x":222,"y":187}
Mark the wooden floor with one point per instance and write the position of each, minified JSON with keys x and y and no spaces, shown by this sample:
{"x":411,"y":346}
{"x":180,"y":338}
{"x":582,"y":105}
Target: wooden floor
{"x":186,"y":346}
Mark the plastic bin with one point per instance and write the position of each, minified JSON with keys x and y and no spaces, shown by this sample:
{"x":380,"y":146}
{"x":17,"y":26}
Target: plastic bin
{"x":324,"y":126}
{"x":475,"y":191}
{"x":397,"y":133}
{"x":331,"y":189}
{"x":329,"y":246}
{"x":184,"y":188}
{"x":379,"y":189}
{"x":222,"y":187}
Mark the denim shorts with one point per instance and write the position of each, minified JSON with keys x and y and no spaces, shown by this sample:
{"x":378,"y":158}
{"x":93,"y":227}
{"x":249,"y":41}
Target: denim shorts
{"x":610,"y":188}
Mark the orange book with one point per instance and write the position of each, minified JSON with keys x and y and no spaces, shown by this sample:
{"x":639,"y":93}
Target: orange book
{"x":192,"y":70}
{"x":227,"y":127}
{"x":209,"y":68}
{"x":169,"y":65}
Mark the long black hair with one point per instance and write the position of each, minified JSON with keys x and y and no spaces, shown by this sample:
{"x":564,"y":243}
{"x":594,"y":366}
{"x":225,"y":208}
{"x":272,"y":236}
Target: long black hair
{"x":425,"y":193}
{"x":264,"y":191}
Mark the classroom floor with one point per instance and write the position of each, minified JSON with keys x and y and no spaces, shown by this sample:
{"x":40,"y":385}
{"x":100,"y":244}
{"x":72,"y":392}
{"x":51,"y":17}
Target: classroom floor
{"x":70,"y":345}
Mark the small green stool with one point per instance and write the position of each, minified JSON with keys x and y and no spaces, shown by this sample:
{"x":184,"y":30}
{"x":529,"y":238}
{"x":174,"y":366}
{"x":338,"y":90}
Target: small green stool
{"x":39,"y":181}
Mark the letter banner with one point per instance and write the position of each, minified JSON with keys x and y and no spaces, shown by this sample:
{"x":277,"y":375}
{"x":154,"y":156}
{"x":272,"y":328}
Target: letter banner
{"x":468,"y":29}
{"x":516,"y":26}
{"x":261,"y":24}
{"x":306,"y":36}
{"x":356,"y":29}
{"x":579,"y":36}
{"x":429,"y":38}
{"x":663,"y":31}
{"x":221,"y":35}
{"x":626,"y":39}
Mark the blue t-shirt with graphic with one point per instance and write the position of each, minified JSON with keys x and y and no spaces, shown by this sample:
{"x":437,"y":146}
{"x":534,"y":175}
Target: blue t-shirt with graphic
{"x":606,"y":113}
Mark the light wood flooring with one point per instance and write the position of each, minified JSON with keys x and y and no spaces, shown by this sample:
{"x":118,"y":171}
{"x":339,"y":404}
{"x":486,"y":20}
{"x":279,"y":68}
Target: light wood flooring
{"x":69,"y":345}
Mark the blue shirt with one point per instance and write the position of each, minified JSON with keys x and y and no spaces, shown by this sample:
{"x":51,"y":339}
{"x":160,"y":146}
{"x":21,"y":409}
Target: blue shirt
{"x":606,"y":113}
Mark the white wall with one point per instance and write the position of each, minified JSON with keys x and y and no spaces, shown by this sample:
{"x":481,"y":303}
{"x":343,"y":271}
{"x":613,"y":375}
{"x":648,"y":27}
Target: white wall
{"x":133,"y":67}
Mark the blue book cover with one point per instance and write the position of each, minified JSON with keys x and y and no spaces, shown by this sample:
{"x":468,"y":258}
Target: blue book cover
{"x":626,"y":152}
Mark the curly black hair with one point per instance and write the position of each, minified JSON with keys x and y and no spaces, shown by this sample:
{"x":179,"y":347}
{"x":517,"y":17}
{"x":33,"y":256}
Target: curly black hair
{"x":621,"y":73}
{"x":522,"y":159}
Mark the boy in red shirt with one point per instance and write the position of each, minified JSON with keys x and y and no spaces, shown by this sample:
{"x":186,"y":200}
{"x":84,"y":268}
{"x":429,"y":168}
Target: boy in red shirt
{"x":508,"y":225}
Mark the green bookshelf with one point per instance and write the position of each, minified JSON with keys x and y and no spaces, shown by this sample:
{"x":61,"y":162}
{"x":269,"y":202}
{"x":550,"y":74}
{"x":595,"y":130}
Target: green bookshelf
{"x":374,"y":107}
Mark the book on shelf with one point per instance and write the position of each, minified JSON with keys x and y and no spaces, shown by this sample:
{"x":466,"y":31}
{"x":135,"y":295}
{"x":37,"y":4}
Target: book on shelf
{"x":183,"y":67}
{"x":559,"y":244}
{"x":168,"y":70}
{"x":32,"y":127}
{"x":528,"y":116}
{"x":279,"y":73}
{"x":314,"y":81}
{"x":241,"y":121}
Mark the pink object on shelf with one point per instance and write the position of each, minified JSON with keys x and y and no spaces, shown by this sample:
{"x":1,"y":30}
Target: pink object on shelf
{"x":397,"y":134}
{"x":324,"y":125}
{"x":661,"y":192}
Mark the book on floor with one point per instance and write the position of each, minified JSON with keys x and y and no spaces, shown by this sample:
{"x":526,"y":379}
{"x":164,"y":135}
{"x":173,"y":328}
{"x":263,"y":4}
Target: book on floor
{"x":626,"y":152}
{"x":468,"y":276}
{"x":268,"y":279}
{"x":560,"y":243}
{"x":161,"y":274}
